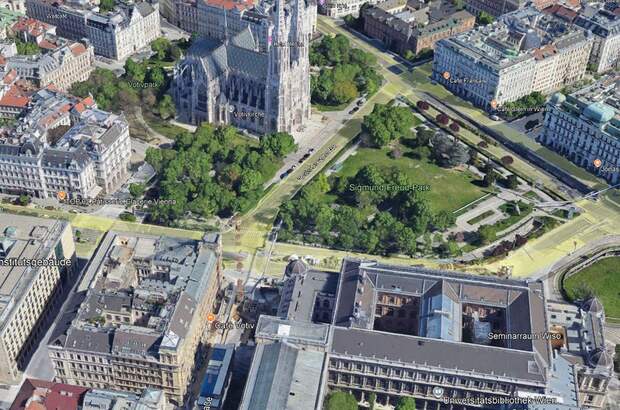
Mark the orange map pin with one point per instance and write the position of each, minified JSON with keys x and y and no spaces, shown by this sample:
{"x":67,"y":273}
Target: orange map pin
{"x":61,"y":195}
{"x":598,"y":163}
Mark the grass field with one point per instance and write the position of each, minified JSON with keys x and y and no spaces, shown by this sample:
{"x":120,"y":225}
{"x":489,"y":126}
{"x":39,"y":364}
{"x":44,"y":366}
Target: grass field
{"x":449,"y":189}
{"x":603,"y":277}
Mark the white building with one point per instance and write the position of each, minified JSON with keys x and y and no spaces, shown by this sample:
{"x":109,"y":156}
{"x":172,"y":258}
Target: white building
{"x":64,"y":144}
{"x":116,"y":34}
{"x":585,"y":127}
{"x":523,"y":52}
{"x":605,"y":27}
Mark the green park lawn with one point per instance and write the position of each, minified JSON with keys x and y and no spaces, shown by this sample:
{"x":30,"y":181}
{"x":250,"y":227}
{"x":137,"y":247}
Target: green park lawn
{"x":603,"y":277}
{"x":449,"y":189}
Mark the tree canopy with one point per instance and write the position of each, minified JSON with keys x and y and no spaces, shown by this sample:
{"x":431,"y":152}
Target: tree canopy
{"x":339,"y":400}
{"x":387,"y":123}
{"x":345,"y":73}
{"x":213,"y":171}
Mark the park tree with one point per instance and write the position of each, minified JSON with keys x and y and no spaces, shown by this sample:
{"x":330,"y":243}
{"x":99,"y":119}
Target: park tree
{"x":405,"y":403}
{"x":135,"y":71}
{"x":344,"y":92}
{"x":278,"y":144}
{"x":156,"y":76}
{"x":512,"y":182}
{"x":490,"y":178}
{"x":387,"y":123}
{"x":136,"y":190}
{"x":447,"y":152}
{"x":166,"y":108}
{"x":486,"y":234}
{"x":339,"y":400}
{"x":160,"y":47}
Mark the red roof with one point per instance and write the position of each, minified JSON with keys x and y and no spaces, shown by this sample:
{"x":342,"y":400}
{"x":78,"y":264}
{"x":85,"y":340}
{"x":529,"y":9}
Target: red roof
{"x":37,"y":394}
{"x":562,"y":12}
{"x":231,"y":4}
{"x":77,"y":49}
{"x":31,"y":26}
{"x":16,"y":96}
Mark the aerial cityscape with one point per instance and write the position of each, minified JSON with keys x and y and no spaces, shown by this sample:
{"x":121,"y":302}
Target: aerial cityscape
{"x":309,"y":204}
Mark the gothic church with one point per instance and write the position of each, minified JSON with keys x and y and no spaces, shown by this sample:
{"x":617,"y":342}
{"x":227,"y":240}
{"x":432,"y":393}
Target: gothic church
{"x":236,"y":81}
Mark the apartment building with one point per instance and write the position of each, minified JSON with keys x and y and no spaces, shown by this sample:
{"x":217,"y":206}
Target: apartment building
{"x":143,"y":317}
{"x":341,"y":8}
{"x":37,"y":265}
{"x":498,"y":8}
{"x":413,"y":29}
{"x":43,"y":394}
{"x":523,"y":52}
{"x":31,"y":30}
{"x":65,"y":144}
{"x":61,"y":67}
{"x":585,"y":126}
{"x":116,"y":34}
{"x":604,"y":24}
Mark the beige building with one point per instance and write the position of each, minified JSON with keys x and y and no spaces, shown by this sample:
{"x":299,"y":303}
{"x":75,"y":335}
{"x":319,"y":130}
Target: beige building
{"x":36,"y":267}
{"x":62,"y":67}
{"x":144,"y":316}
{"x":523,"y":52}
{"x":116,"y":34}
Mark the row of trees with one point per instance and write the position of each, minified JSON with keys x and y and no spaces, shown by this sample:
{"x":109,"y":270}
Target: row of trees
{"x":214,"y":171}
{"x":345,"y":74}
{"x":369,"y":214}
{"x":339,"y":400}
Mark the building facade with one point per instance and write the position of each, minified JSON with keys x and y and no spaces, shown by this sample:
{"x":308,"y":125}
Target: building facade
{"x":341,"y":8}
{"x":444,"y":339}
{"x":401,"y":33}
{"x":37,"y":264}
{"x":62,"y":67}
{"x":497,"y":8}
{"x":143,"y":317}
{"x":65,"y":144}
{"x":236,"y":82}
{"x":604,"y":25}
{"x":116,"y":35}
{"x":523,"y":52}
{"x":585,"y":127}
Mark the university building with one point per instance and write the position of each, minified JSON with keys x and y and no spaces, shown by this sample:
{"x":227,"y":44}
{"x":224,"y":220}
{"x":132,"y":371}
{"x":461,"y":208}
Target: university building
{"x":447,"y":339}
{"x":143,"y":320}
{"x":30,"y":291}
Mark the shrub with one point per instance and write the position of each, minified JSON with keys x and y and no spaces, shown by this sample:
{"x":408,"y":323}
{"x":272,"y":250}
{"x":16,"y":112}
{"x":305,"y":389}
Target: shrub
{"x":507,"y":160}
{"x":423,"y":105}
{"x":127,"y":217}
{"x":483,"y":144}
{"x":455,"y":127}
{"x":443,"y":119}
